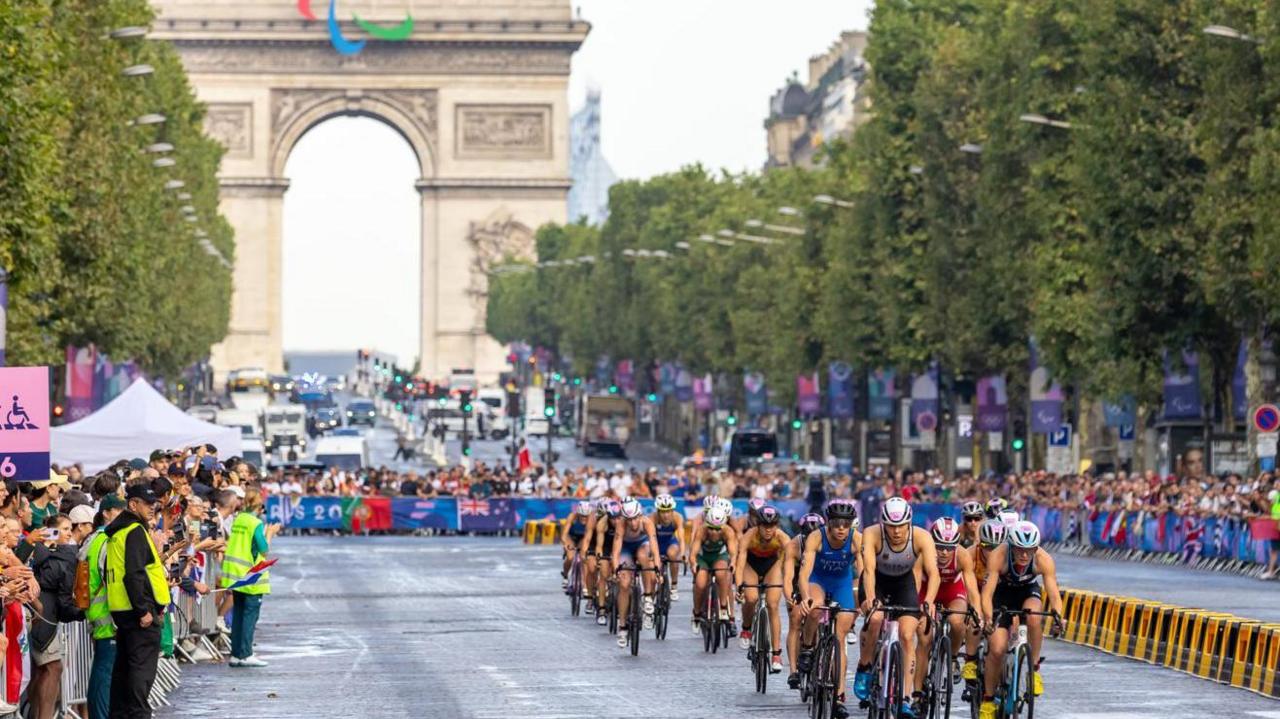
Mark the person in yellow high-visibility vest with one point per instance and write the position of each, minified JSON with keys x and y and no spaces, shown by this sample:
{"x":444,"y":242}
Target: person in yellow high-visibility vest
{"x":99,"y":614}
{"x":247,"y":545}
{"x":137,"y":595}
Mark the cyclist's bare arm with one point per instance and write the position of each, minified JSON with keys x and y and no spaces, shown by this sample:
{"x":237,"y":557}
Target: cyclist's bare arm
{"x":680,"y":534}
{"x":740,"y":559}
{"x":655,"y":557}
{"x":969,"y":577}
{"x":811,"y":547}
{"x":869,"y":562}
{"x":789,"y":567}
{"x":995,"y":566}
{"x":1048,"y":569}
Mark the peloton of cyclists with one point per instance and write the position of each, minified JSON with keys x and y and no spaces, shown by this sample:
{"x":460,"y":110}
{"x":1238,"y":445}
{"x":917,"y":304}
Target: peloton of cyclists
{"x":833,"y":557}
{"x":759,"y":554}
{"x":635,"y":544}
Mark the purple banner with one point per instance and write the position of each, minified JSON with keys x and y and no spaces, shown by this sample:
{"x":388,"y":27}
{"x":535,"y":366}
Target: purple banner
{"x":924,"y":400}
{"x":757,"y":395}
{"x":808,"y":395}
{"x":1182,"y":387}
{"x":993,"y":403}
{"x":684,"y":384}
{"x":703,"y":394}
{"x":624,"y":377}
{"x":840,"y":390}
{"x":1240,"y":402}
{"x":667,"y":378}
{"x":1046,"y":398}
{"x":881,"y":394}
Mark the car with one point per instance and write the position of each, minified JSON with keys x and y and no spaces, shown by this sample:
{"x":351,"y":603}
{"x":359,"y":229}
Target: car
{"x":323,"y":419}
{"x":361,"y":411}
{"x":347,"y":432}
{"x":252,"y":450}
{"x":336,"y":383}
{"x":249,"y":378}
{"x":281,"y":383}
{"x":314,"y":399}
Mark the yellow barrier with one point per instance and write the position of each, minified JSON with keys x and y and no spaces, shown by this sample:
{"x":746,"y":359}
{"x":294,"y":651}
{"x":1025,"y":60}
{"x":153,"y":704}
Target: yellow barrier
{"x":1228,"y":649}
{"x":541,"y":531}
{"x":532,"y":530}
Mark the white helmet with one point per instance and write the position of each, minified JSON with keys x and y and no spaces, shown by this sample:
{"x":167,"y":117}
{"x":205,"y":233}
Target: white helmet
{"x":1024,"y":535}
{"x":631,"y":508}
{"x":709,"y":501}
{"x":895,"y":511}
{"x":1009,"y":518}
{"x":583,"y":508}
{"x":664,"y":503}
{"x":717,"y":517}
{"x":726,"y":505}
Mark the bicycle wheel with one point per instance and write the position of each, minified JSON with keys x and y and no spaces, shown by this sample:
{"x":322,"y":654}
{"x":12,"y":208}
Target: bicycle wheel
{"x":575,"y":588}
{"x":947,"y":688}
{"x":613,"y":609}
{"x":762,"y":646}
{"x":636,"y":618}
{"x":894,"y":706}
{"x":818,"y":672}
{"x":975,"y":691}
{"x":938,"y":681}
{"x":1023,"y":686}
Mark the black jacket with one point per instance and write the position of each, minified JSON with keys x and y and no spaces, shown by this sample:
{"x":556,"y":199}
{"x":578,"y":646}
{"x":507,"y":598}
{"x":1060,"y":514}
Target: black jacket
{"x":55,"y":572}
{"x":137,"y":555}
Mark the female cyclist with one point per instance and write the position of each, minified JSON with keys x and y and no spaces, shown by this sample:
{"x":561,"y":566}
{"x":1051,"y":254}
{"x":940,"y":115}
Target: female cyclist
{"x":763,"y":546}
{"x":669,"y":526}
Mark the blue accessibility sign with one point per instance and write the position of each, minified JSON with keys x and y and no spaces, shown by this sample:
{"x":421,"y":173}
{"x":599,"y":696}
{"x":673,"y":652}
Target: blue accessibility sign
{"x":1061,"y":437}
{"x":1127,"y":432}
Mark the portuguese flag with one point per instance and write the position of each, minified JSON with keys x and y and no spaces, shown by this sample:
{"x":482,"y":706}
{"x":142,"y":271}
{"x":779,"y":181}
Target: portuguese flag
{"x":362,"y":514}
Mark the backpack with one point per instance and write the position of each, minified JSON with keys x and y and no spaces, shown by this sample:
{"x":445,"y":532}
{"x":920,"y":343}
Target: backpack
{"x":80,"y":592}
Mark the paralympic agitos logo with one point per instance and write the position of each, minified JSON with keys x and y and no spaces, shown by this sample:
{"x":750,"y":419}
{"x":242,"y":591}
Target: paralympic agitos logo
{"x":351,"y":47}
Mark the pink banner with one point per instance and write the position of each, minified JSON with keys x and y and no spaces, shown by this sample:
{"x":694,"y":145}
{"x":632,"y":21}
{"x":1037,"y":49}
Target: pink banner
{"x":703,"y":400}
{"x":81,"y":363}
{"x":24,"y":419}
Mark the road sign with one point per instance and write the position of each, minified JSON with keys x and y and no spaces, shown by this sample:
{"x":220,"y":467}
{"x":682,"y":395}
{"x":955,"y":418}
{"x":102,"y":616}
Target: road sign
{"x":1267,"y":418}
{"x":964,"y":425}
{"x":1267,"y":444}
{"x":926,"y":421}
{"x":1061,"y":437}
{"x":24,"y":417}
{"x":995,"y":441}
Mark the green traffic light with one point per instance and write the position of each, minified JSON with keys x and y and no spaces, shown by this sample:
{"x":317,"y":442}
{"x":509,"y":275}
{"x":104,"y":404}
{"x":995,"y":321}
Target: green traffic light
{"x":399,"y":407}
{"x":555,"y":376}
{"x":467,"y":451}
{"x":549,"y":411}
{"x":577,"y":381}
{"x":796,"y":424}
{"x":613,"y":389}
{"x":466,"y":407}
{"x":1018,"y":444}
{"x":731,"y":420}
{"x":651,"y":397}
{"x":442,"y":401}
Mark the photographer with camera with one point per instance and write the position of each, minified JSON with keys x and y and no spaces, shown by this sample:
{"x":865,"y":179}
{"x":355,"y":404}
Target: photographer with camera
{"x":54,"y":567}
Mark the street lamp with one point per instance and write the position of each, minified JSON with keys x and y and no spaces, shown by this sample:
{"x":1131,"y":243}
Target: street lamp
{"x":725,"y":233}
{"x":628,"y":252}
{"x":972,"y":148}
{"x":786,"y":229}
{"x":1230,"y":33}
{"x":661,"y":254}
{"x":682,"y":245}
{"x":916,"y":170}
{"x":184,"y":197}
{"x":128,"y":33}
{"x":829,"y":200}
{"x":587,"y":259}
{"x":160,"y":147}
{"x":790,"y":211}
{"x":1038,"y":119}
{"x":188,"y":208}
{"x":151,"y":118}
{"x":174,"y":184}
{"x":138,"y":70}
{"x":164,"y":162}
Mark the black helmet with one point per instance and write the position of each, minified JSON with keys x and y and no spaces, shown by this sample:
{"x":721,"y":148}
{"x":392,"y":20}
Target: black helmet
{"x":841,"y":509}
{"x":769,"y":516}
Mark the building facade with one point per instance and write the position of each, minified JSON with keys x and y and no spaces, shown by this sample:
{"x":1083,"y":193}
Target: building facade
{"x":830,"y":104}
{"x":589,"y":171}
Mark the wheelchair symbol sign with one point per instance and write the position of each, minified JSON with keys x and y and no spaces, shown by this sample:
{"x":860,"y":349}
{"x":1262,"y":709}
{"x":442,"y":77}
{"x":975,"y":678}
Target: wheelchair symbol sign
{"x":24,"y":423}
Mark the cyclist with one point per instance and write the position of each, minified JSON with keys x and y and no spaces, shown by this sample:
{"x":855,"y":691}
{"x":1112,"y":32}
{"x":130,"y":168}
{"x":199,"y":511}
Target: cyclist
{"x":955,"y":569}
{"x":1011,"y":584}
{"x":575,"y":528}
{"x":752,"y":518}
{"x":758,"y":562}
{"x":708,"y":502}
{"x":605,"y":540}
{"x":990,"y":535}
{"x":994,"y":507}
{"x":894,"y":553}
{"x":971,"y":515}
{"x":669,"y":526}
{"x":831,"y":564}
{"x":714,"y":544}
{"x":807,"y":525}
{"x":637,"y":548}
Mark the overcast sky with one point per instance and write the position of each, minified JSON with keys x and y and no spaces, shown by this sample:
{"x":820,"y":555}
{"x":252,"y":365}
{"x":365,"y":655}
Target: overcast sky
{"x":682,"y":81}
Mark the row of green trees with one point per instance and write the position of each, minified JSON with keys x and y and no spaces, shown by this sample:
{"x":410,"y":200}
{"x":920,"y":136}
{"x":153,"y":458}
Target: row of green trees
{"x":96,"y":248}
{"x":1144,"y":218}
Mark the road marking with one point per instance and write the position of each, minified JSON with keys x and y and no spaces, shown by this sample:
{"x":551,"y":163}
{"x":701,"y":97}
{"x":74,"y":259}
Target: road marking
{"x":1266,"y":714}
{"x":1109,"y":715}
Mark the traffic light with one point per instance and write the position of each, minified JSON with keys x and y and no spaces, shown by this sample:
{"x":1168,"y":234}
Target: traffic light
{"x":1018,"y":444}
{"x":399,"y":378}
{"x":731,"y":420}
{"x":577,"y":381}
{"x":555,"y":376}
{"x":399,"y":407}
{"x":464,"y":399}
{"x":57,"y":410}
{"x":548,"y":402}
{"x":466,"y":451}
{"x":796,"y":423}
{"x":653,"y":398}
{"x":613,"y":389}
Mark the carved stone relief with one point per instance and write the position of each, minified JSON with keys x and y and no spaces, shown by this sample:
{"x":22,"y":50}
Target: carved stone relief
{"x":231,"y":124}
{"x":387,"y":58}
{"x":418,"y":105}
{"x":506,"y":131}
{"x":497,"y":238}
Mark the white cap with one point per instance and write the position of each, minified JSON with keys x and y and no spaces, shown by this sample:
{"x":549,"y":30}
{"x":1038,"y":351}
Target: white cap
{"x":81,"y":514}
{"x":237,"y":490}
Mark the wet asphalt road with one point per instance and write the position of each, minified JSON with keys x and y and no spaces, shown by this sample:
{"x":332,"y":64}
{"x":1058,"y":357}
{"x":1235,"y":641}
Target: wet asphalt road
{"x":478,"y":627}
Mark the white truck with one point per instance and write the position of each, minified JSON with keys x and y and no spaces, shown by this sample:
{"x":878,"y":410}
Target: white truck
{"x":284,"y":427}
{"x":497,"y":423}
{"x":535,"y":422}
{"x":249,"y":422}
{"x":608,"y":423}
{"x":345,"y":453}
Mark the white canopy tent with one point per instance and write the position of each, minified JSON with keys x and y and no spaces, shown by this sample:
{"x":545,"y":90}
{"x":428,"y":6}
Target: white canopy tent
{"x":132,"y":425}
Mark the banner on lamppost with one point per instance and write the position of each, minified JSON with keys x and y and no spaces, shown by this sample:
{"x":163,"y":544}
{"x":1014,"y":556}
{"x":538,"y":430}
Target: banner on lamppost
{"x":993,"y":403}
{"x":1046,"y":397}
{"x":667,"y":378}
{"x":808,"y":397}
{"x":1122,"y":412}
{"x":924,"y":400}
{"x":81,"y":362}
{"x":684,"y":384}
{"x":602,"y":369}
{"x":881,"y":394}
{"x":840,"y":390}
{"x":703,"y":394}
{"x":1182,"y":387}
{"x":1239,"y":400}
{"x":24,"y":418}
{"x":624,"y":376}
{"x":757,"y":395}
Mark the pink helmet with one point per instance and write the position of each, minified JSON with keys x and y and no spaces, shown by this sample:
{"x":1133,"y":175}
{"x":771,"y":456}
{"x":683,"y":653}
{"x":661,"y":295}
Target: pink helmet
{"x":946,"y":532}
{"x":756,"y":504}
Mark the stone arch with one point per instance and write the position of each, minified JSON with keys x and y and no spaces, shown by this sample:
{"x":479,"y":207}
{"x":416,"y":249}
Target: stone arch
{"x":411,"y":113}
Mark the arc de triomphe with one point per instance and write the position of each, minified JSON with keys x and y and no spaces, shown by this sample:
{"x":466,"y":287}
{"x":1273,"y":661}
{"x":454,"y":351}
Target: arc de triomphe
{"x":479,"y":88}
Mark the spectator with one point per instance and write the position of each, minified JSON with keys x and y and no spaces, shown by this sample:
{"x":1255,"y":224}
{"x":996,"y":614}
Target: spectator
{"x":247,"y":545}
{"x":137,"y":595}
{"x":103,"y":630}
{"x":55,"y":571}
{"x":44,"y":498}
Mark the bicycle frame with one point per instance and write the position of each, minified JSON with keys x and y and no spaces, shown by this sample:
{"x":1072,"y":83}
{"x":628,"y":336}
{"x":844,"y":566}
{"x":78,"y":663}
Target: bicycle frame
{"x":1009,"y":700}
{"x":885,"y":696}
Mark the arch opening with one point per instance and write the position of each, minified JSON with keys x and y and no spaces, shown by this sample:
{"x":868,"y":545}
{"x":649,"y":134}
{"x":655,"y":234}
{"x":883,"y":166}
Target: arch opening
{"x":351,"y":255}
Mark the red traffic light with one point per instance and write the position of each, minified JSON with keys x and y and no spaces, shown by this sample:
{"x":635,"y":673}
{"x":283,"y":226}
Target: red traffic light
{"x":57,"y":410}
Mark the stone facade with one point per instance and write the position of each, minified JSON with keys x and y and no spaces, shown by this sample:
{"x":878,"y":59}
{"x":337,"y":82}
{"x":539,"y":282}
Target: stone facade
{"x":479,"y":92}
{"x":831,"y":104}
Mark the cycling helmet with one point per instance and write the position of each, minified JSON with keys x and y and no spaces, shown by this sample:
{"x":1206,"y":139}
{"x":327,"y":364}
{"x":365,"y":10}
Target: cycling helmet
{"x":726,"y":505}
{"x":709,"y":501}
{"x":769,"y":516}
{"x":664,"y":503}
{"x":583,"y":509}
{"x":602,"y":506}
{"x":972,"y":509}
{"x":1008,"y":518}
{"x":631,"y":508}
{"x":810,"y":522}
{"x":755,"y":505}
{"x":717,"y":517}
{"x":896,"y":511}
{"x":991,"y":532}
{"x":841,"y":509}
{"x":1024,"y":535}
{"x":614,"y":508}
{"x":946,"y":532}
{"x":995,"y":507}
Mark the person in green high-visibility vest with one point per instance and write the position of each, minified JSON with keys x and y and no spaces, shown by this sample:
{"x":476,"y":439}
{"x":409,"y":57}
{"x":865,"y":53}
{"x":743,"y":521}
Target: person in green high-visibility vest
{"x":103,"y":629}
{"x":137,"y":595}
{"x":247,"y":545}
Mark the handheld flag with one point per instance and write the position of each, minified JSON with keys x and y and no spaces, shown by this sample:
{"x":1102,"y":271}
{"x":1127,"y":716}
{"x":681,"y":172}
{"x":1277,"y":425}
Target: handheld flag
{"x":263,"y":565}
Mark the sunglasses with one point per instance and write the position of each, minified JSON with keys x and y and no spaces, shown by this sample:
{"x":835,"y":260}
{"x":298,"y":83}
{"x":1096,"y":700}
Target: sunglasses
{"x":973,"y":519}
{"x":840,"y":523}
